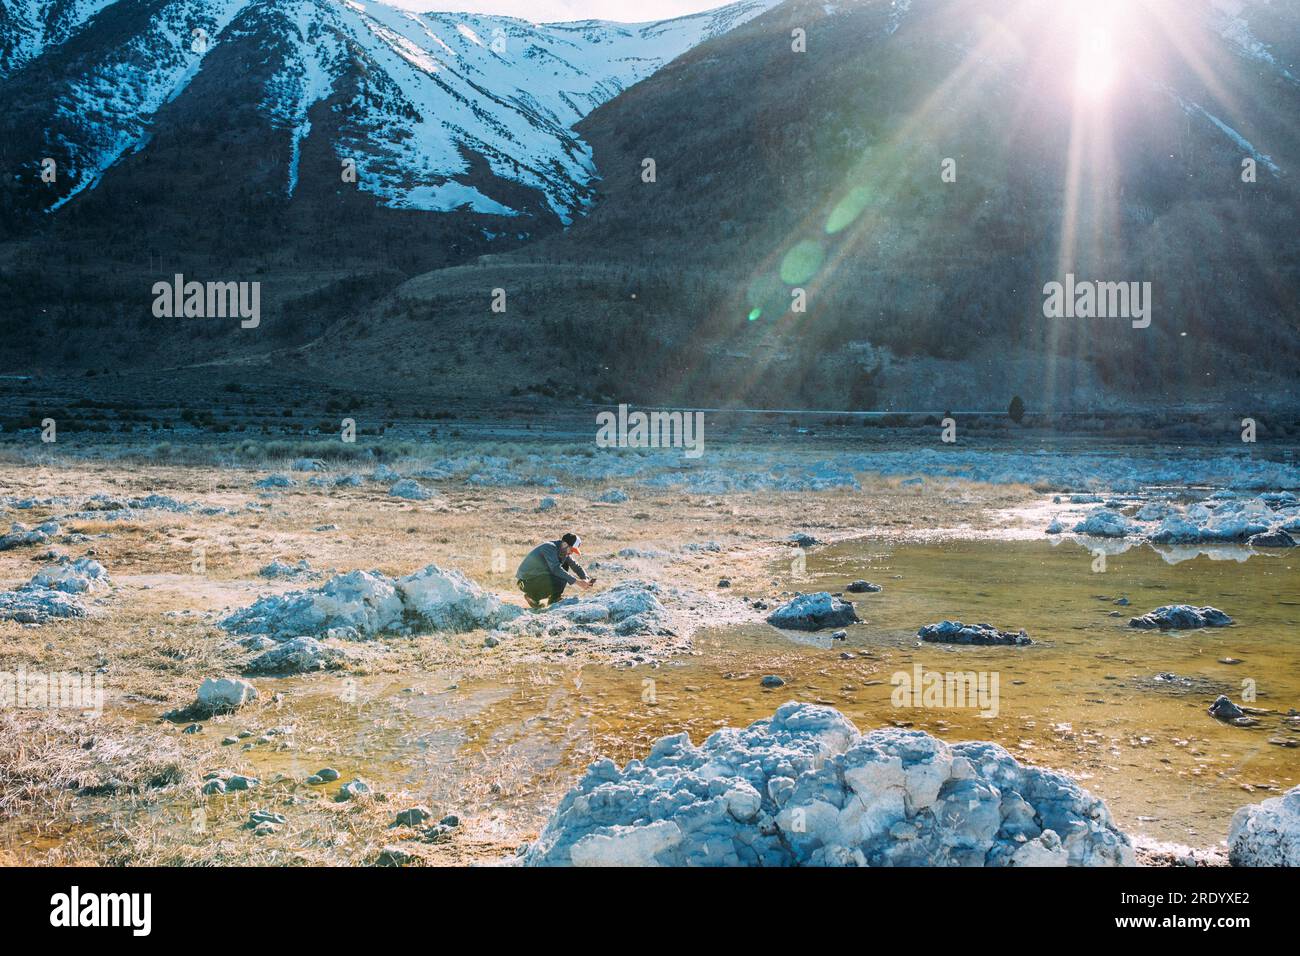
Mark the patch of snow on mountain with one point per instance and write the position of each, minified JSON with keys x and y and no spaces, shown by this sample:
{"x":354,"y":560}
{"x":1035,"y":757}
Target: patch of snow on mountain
{"x":114,"y":100}
{"x":30,"y":26}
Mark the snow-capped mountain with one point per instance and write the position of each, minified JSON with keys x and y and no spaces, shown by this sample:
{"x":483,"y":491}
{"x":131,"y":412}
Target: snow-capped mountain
{"x":29,"y":26}
{"x":411,"y":100}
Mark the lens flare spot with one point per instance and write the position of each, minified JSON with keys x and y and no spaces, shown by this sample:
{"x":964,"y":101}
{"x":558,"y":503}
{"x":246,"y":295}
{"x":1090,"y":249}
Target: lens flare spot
{"x":802,"y":262}
{"x":848,"y":209}
{"x":754,"y":314}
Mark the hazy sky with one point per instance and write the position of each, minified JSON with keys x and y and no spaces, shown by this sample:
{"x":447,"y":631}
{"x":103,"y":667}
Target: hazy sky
{"x":547,"y":11}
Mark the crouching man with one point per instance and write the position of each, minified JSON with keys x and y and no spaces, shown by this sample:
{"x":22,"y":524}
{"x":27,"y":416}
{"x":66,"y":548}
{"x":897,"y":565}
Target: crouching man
{"x":545,"y":573}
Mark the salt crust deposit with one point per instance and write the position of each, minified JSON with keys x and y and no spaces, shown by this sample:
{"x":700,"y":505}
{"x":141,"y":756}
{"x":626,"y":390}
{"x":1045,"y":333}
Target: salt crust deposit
{"x":56,"y":591}
{"x":366,"y":604}
{"x":1225,"y":521}
{"x":806,"y":788}
{"x":1267,"y":833}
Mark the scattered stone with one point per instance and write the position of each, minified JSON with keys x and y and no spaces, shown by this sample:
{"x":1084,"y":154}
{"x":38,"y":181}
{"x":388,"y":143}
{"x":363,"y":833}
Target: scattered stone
{"x":393,"y":856}
{"x":812,"y":612}
{"x":1267,"y":833}
{"x":696,"y":546}
{"x":546,"y":504}
{"x":724,"y":583}
{"x":412,"y":817}
{"x":279,"y":570}
{"x":1181,"y":617}
{"x":240,"y":782}
{"x":771,"y":680}
{"x":1170,"y":682}
{"x":276,"y":481}
{"x":1272,"y":539}
{"x":491,"y":641}
{"x":214,"y":786}
{"x":802,"y":540}
{"x":258,"y":817}
{"x":615,"y":496}
{"x":297,"y":655}
{"x":805,"y":788}
{"x":450,"y":820}
{"x":955,"y":632}
{"x":353,"y":790}
{"x":193,"y":729}
{"x":329,"y":774}
{"x":224,"y":695}
{"x":410,"y":489}
{"x":1224,"y":709}
{"x":19,"y":535}
{"x":862,"y":587}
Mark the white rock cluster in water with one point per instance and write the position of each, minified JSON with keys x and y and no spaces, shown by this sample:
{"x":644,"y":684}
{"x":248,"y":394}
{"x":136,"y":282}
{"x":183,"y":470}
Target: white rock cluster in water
{"x":813,"y":612}
{"x":806,"y":788}
{"x":955,"y":632}
{"x":1181,"y":617}
{"x":1262,"y":521}
{"x":370,"y":604}
{"x":54,"y":592}
{"x":1267,"y":833}
{"x":1105,"y":523}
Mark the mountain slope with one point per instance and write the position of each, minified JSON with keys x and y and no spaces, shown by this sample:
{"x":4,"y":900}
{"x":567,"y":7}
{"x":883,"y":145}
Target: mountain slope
{"x":425,"y":90}
{"x":1102,"y":140}
{"x":324,"y":148}
{"x":28,"y":27}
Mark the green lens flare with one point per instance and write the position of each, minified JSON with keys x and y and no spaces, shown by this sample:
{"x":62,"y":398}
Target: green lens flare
{"x":848,"y":209}
{"x":802,"y":262}
{"x":754,"y":314}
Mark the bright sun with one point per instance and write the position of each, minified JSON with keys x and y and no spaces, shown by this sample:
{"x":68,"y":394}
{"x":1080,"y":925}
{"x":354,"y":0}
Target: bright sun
{"x":1094,"y":70}
{"x":1098,"y":28}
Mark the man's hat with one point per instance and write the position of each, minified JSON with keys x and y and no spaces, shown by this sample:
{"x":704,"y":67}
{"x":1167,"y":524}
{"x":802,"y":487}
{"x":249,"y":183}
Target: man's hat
{"x":573,"y":541}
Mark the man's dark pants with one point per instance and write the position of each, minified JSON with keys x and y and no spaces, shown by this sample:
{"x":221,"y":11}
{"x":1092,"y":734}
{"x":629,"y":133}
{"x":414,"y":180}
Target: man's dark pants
{"x":541,"y":589}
